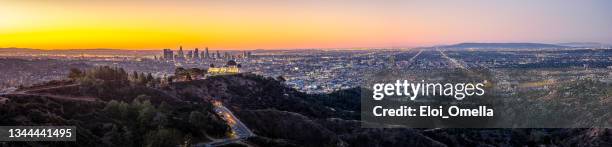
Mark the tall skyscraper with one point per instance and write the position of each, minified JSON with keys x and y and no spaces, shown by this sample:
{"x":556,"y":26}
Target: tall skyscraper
{"x":207,"y":55}
{"x":196,"y":54}
{"x":218,"y":55}
{"x":189,"y":55}
{"x":181,"y":55}
{"x":226,"y":55}
{"x":202,"y":56}
{"x":168,"y":54}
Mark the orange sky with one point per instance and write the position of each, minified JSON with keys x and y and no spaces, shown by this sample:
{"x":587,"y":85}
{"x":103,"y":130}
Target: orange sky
{"x":295,"y":24}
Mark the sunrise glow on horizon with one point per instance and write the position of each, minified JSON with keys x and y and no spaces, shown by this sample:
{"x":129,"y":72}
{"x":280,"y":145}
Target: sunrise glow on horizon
{"x":298,"y":24}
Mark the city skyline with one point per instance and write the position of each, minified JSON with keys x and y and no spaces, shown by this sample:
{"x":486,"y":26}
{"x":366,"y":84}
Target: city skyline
{"x":278,"y":73}
{"x":297,"y":25}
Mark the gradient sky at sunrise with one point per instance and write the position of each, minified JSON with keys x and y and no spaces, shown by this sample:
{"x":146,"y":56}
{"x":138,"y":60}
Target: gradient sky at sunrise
{"x":232,"y":24}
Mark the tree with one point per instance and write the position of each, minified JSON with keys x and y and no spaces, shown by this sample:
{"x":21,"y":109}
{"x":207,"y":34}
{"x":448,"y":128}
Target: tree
{"x":164,"y":107}
{"x":142,"y":78}
{"x":75,"y":74}
{"x":135,"y":76}
{"x":150,"y":80}
{"x":162,"y":138}
{"x":112,"y":108}
{"x":149,"y":77}
{"x":142,"y":98}
{"x":196,"y":71}
{"x":117,"y":110}
{"x":118,"y":136}
{"x":188,"y":77}
{"x":107,"y":76}
{"x":161,"y":120}
{"x":124,"y":110}
{"x":198,"y":119}
{"x":281,"y":78}
{"x":179,"y":71}
{"x":170,"y":79}
{"x":145,"y":115}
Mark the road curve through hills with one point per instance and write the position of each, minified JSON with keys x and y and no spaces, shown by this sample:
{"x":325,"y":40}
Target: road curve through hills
{"x":239,"y":130}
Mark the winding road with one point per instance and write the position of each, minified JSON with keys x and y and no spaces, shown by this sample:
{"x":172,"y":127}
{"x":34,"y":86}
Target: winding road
{"x":239,"y":130}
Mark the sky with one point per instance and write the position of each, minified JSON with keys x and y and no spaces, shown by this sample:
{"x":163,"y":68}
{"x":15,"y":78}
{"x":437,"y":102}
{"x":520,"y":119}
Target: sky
{"x":292,"y":24}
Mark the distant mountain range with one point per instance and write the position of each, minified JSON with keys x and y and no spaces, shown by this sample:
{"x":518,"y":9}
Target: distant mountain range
{"x":524,"y":45}
{"x":503,"y":46}
{"x":32,"y":49}
{"x":584,"y":44}
{"x":76,"y":52}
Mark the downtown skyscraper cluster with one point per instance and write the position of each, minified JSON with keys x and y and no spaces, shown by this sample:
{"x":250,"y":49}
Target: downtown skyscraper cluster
{"x":196,"y":55}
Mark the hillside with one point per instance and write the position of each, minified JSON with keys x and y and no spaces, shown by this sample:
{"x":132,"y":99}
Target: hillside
{"x":275,"y":113}
{"x":126,"y":112}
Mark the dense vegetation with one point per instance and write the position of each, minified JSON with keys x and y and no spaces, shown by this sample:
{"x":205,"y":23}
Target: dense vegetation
{"x":124,"y":115}
{"x":137,"y":110}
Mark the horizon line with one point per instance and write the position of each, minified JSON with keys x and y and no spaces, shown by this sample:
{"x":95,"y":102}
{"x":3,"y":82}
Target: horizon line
{"x":324,"y":48}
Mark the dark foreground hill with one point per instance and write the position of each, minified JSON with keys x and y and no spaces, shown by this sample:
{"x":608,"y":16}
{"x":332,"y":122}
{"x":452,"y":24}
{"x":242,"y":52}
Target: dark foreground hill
{"x":283,"y":116}
{"x":126,"y":112}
